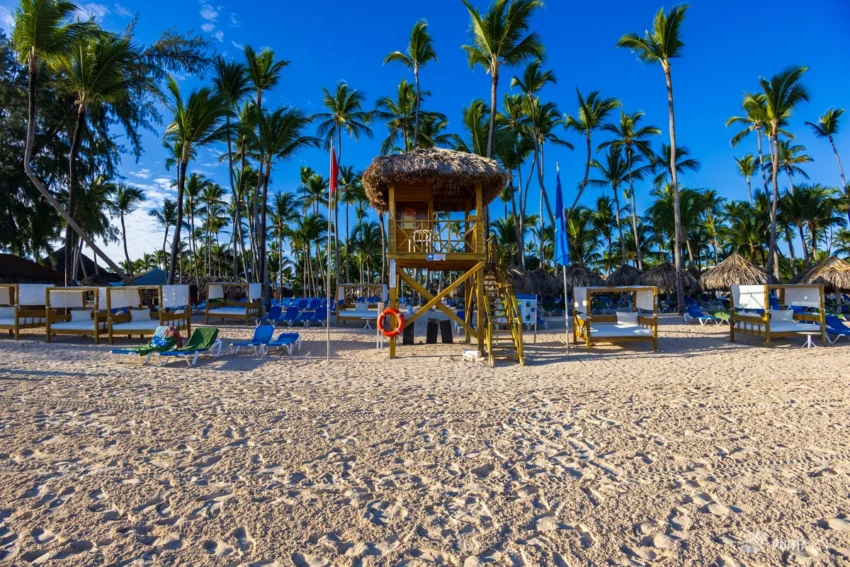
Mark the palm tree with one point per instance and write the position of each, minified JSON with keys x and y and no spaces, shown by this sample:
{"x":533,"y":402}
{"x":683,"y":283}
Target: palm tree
{"x":284,"y":211}
{"x":198,"y":121}
{"x":500,"y":37}
{"x":661,"y":164}
{"x":660,"y":46}
{"x":747,"y":168}
{"x":633,"y":139}
{"x":781,"y":94}
{"x":615,"y":174}
{"x":790,"y":159}
{"x":195,"y":186}
{"x":592,"y":112}
{"x":754,"y":120}
{"x":345,"y":116}
{"x":232,"y":83}
{"x":40,"y":34}
{"x":125,"y":200}
{"x":602,"y":220}
{"x":211,"y":198}
{"x":420,"y":51}
{"x":166,"y":215}
{"x":827,"y":127}
{"x":400,"y":114}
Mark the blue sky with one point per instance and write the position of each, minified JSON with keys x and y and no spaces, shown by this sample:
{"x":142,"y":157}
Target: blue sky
{"x":728,"y":45}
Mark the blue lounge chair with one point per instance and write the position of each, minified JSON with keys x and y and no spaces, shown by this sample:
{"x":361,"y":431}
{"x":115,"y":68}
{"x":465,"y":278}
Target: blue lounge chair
{"x":202,"y":340}
{"x":275,"y":315}
{"x":304,"y":317}
{"x":541,"y":322}
{"x":694,"y":312}
{"x":262,"y":337}
{"x":315,"y":304}
{"x":290,"y":316}
{"x":285,"y":340}
{"x":302,"y":304}
{"x":837,"y":328}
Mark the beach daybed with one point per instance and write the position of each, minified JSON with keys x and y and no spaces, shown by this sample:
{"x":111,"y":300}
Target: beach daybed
{"x":22,"y":307}
{"x":218,"y":307}
{"x":753,"y":314}
{"x":76,"y":311}
{"x":638,"y":325}
{"x":129,"y":315}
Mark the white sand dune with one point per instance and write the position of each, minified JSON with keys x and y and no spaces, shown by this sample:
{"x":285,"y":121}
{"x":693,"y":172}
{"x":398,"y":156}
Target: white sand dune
{"x":704,"y":453}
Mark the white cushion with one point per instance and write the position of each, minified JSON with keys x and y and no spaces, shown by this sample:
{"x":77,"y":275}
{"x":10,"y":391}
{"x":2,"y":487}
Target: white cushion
{"x":7,"y":312}
{"x":627,"y":318}
{"x":149,"y":325}
{"x":80,"y":316}
{"x":782,"y":315}
{"x":7,"y":322}
{"x":76,"y":326}
{"x":140,"y":315}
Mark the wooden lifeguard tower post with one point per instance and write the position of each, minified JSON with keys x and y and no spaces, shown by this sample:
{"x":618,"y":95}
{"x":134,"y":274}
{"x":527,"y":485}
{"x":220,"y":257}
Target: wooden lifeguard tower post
{"x":436,"y":203}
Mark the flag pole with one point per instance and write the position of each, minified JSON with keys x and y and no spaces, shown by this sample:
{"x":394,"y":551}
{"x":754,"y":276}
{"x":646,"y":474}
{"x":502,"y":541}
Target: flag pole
{"x":331,"y":184}
{"x":564,"y":270}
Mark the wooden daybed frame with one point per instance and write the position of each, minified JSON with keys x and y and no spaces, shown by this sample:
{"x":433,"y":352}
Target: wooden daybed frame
{"x":169,"y":300}
{"x":253,"y":308}
{"x":32,"y":314}
{"x":743,"y":321}
{"x":59,"y":312}
{"x":644,"y":297}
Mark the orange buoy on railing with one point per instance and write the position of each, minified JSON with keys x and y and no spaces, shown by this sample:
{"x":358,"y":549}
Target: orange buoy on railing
{"x":394,"y":332}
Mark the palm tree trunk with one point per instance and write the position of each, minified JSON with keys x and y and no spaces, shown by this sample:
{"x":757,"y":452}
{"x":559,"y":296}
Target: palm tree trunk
{"x":164,"y":242}
{"x":772,"y":260}
{"x":521,"y":219}
{"x":418,"y":99}
{"x":677,"y":214}
{"x":750,"y":191}
{"x":126,"y":252}
{"x":586,"y":175}
{"x":383,"y":248}
{"x":761,"y":161}
{"x":619,"y":225}
{"x":840,"y":169}
{"x":493,"y":88}
{"x":175,"y":244}
{"x":73,"y":190}
{"x":347,"y":240}
{"x":634,"y":208}
{"x":264,"y":270}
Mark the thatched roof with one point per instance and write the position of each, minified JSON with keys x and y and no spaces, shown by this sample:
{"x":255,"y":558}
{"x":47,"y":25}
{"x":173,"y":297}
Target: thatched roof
{"x":624,"y":276}
{"x":663,"y":277}
{"x":537,"y":282}
{"x":734,"y":270}
{"x":448,"y":173}
{"x":57,"y":258}
{"x":834,"y":274}
{"x":579,"y":276}
{"x":14,"y":269}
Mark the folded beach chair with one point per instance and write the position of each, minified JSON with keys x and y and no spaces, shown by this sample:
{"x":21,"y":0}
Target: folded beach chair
{"x":285,"y":340}
{"x":275,"y":315}
{"x":158,"y":343}
{"x":202,"y":340}
{"x":262,"y":337}
{"x":836,"y":328}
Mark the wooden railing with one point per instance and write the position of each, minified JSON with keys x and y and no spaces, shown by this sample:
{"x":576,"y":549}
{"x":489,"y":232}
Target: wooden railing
{"x":508,"y":297}
{"x":436,"y":237}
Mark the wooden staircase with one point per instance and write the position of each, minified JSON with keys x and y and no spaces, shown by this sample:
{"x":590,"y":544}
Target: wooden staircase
{"x":504,"y":324}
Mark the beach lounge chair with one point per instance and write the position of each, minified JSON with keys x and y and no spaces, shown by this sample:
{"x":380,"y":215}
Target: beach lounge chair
{"x":319,"y":316}
{"x":202,"y":340}
{"x":836,"y":328}
{"x":694,"y":312}
{"x":262,"y":337}
{"x":158,"y":343}
{"x":275,"y":315}
{"x":285,"y":340}
{"x":290,"y":316}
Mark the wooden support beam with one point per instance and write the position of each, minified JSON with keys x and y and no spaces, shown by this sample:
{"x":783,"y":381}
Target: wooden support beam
{"x":435,"y":301}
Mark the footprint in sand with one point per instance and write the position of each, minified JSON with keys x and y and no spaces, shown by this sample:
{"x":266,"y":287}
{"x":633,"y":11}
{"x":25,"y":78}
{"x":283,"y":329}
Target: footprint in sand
{"x":837,"y":524}
{"x":307,"y":560}
{"x":244,"y":542}
{"x":218,"y":548}
{"x":383,"y":513}
{"x":42,"y":536}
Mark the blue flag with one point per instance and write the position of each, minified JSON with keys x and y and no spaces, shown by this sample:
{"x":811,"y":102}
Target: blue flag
{"x":562,"y":248}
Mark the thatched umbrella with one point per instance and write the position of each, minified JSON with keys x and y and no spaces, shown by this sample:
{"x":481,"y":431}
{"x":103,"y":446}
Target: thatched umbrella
{"x":579,"y":276}
{"x":448,"y":173}
{"x":834,"y":274}
{"x":624,"y":276}
{"x":536,"y":282}
{"x":663,"y":277}
{"x":734,"y":270}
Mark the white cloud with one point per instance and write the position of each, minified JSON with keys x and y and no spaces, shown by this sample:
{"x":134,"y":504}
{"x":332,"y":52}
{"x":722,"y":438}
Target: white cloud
{"x":238,"y":46}
{"x":208,"y":27}
{"x":142,"y":173}
{"x":234,"y":23}
{"x":92,"y":11}
{"x":219,"y":35}
{"x":209,"y":12}
{"x":7,"y":21}
{"x":120,"y":10}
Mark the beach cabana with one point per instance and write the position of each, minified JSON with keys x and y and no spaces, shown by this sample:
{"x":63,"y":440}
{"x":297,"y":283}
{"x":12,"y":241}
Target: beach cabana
{"x":625,"y":275}
{"x":734,"y":270}
{"x":833,"y":275}
{"x":640,"y":324}
{"x":751,"y":312}
{"x":76,"y":311}
{"x":663,"y":277}
{"x":219,"y":307}
{"x":22,"y":307}
{"x":130,"y":314}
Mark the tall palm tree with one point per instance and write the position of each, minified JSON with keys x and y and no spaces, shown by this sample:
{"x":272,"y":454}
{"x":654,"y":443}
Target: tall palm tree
{"x":782,"y":93}
{"x":661,"y":164}
{"x":230,"y":80}
{"x":614,"y":173}
{"x":400,"y":114}
{"x":198,"y":121}
{"x":747,"y":168}
{"x":827,"y":127}
{"x":753,"y":120}
{"x":633,"y":139}
{"x":660,"y":46}
{"x":124,"y":201}
{"x":195,"y":186}
{"x":602,"y":220}
{"x":791,"y":157}
{"x":501,"y":37}
{"x":41,"y":34}
{"x":211,"y":199}
{"x":166,"y":215}
{"x":284,"y":212}
{"x":420,"y":51}
{"x":592,"y":113}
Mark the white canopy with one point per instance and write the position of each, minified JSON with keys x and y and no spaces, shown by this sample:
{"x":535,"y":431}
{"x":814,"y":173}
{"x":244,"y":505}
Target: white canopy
{"x":749,"y":296}
{"x":5,"y":298}
{"x":175,"y":296}
{"x":31,"y":294}
{"x":120,"y":297}
{"x":803,"y":296}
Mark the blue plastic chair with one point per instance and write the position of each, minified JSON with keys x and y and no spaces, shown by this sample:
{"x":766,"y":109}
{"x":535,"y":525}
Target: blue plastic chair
{"x":290,"y":316}
{"x":302,"y":304}
{"x":836,"y":327}
{"x":285,"y":340}
{"x":320,"y":317}
{"x":275,"y":315}
{"x":262,"y":337}
{"x":694,"y":312}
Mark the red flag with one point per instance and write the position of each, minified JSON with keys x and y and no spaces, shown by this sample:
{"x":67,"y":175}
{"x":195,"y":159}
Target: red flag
{"x":334,"y":170}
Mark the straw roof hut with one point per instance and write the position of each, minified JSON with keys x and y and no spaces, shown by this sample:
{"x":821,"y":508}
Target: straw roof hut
{"x":834,"y":274}
{"x":536,"y":282}
{"x":579,"y":276}
{"x":663,"y":277}
{"x":14,"y":269}
{"x":625,"y":275}
{"x":734,"y":270}
{"x":448,"y":173}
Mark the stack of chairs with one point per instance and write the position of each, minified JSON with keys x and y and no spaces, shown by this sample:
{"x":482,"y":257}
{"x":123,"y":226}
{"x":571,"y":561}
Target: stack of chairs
{"x":298,"y":310}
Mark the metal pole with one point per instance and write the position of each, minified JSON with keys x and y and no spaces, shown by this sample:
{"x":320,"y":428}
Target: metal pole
{"x":328,"y":275}
{"x":566,"y":310}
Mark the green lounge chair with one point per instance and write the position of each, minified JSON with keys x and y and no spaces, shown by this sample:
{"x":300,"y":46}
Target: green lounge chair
{"x":202,"y":340}
{"x":157,"y":344}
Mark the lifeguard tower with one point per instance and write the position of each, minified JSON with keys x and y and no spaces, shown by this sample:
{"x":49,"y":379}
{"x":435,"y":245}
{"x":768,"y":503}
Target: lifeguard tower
{"x":436,"y":201}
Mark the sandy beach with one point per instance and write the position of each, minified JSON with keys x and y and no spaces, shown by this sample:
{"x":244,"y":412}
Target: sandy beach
{"x":704,"y":453}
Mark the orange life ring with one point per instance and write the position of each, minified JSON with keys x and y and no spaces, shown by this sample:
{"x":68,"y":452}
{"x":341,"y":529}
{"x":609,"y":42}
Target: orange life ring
{"x":395,"y":332}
